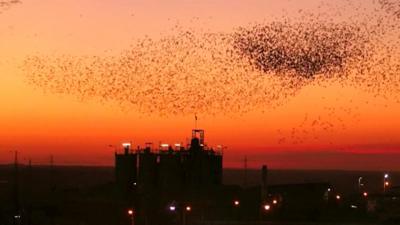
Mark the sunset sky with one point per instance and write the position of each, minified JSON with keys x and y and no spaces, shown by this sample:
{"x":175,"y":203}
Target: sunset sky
{"x":364,"y":128}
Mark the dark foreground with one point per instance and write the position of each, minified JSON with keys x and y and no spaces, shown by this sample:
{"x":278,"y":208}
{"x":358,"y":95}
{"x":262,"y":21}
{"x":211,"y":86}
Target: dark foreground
{"x":87,"y":195}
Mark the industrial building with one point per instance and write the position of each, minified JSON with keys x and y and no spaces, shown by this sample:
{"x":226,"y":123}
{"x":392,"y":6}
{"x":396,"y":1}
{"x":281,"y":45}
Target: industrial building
{"x":172,"y":180}
{"x":169,"y":167}
{"x":151,"y":178}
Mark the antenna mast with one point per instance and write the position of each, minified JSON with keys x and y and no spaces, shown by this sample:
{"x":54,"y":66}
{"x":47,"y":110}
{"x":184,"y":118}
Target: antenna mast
{"x":17,"y":215}
{"x":245,"y":171}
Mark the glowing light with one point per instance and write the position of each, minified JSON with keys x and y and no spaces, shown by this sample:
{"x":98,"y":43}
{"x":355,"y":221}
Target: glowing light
{"x":365,"y":194}
{"x":386,"y":176}
{"x":267,"y":207}
{"x":164,"y":145}
{"x":275,"y":201}
{"x":338,"y":197}
{"x":130,"y":212}
{"x":177,"y":145}
{"x":188,"y":208}
{"x":329,"y":189}
{"x":236,"y":203}
{"x":386,"y":183}
{"x":127,"y":144}
{"x":172,"y":208}
{"x":353,"y":206}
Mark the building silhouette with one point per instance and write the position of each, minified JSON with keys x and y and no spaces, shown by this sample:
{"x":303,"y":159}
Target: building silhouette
{"x":169,"y":167}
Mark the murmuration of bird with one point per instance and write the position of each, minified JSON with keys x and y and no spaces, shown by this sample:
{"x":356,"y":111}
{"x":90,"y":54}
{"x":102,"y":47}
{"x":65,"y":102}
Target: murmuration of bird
{"x":254,"y":67}
{"x":6,"y":4}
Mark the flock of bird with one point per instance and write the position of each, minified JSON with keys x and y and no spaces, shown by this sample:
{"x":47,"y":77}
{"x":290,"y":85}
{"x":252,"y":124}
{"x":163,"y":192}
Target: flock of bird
{"x":6,"y":4}
{"x":254,"y":67}
{"x":303,"y":49}
{"x":391,"y":6}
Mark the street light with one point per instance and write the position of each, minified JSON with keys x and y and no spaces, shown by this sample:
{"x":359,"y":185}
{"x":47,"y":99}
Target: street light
{"x":188,"y":208}
{"x":172,"y":208}
{"x":360,"y":183}
{"x":385,"y":182}
{"x":131,"y":214}
{"x":338,"y":197}
{"x":267,"y":207}
{"x":274,"y":201}
{"x":365,"y":194}
{"x":236,"y":203}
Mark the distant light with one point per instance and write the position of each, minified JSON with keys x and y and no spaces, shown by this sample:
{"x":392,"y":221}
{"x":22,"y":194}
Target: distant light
{"x":365,"y":194}
{"x":267,"y":207}
{"x":188,"y":208}
{"x":130,"y":212}
{"x":172,"y":208}
{"x":164,"y":145}
{"x":126,"y":144}
{"x":353,"y":206}
{"x":17,"y":216}
{"x":338,"y":197}
{"x":177,"y":145}
{"x":329,"y":189}
{"x":236,"y":203}
{"x":386,"y":183}
{"x":386,"y":176}
{"x":201,"y":145}
{"x":275,"y":201}
{"x":134,"y":183}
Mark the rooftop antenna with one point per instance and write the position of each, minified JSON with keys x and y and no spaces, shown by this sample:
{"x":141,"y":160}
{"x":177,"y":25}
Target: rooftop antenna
{"x":195,"y":121}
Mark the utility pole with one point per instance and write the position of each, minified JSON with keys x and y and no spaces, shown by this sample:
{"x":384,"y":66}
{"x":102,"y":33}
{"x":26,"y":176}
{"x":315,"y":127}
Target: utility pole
{"x":245,"y":172}
{"x":29,"y":190}
{"x":17,"y":215}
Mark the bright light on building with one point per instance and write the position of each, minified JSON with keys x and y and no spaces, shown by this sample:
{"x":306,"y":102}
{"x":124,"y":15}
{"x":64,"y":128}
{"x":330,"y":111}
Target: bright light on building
{"x":338,"y":197}
{"x":188,"y":208}
{"x":236,"y":203}
{"x":275,"y":201}
{"x":164,"y":145}
{"x":267,"y":207}
{"x":386,"y":183}
{"x":353,"y":206}
{"x":386,"y":176}
{"x":365,"y":194}
{"x":127,"y":144}
{"x":329,"y":189}
{"x":130,"y":212}
{"x":172,"y":208}
{"x":177,"y":145}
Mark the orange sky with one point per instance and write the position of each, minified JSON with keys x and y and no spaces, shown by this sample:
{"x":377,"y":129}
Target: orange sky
{"x":366,"y":133}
